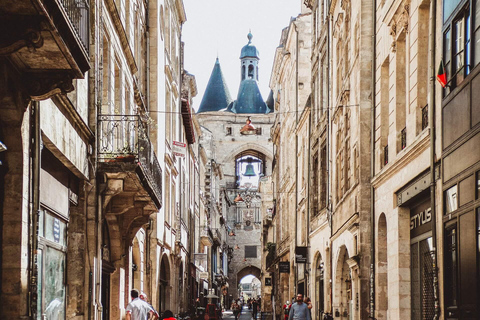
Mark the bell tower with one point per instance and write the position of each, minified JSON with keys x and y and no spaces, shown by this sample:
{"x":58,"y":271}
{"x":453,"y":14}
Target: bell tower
{"x":249,"y":60}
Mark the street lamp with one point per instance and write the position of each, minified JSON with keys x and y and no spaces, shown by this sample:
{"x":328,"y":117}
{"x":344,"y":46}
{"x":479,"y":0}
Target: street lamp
{"x":248,"y":128}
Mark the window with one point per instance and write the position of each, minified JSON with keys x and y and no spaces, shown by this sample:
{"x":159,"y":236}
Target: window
{"x":258,"y":131}
{"x":250,"y":252}
{"x":458,"y":31}
{"x":451,"y":200}
{"x":228,"y":131}
{"x":451,"y":266}
{"x":478,"y":185}
{"x":51,"y":265}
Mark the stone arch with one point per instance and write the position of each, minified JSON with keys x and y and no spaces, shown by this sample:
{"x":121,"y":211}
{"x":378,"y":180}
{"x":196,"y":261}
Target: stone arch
{"x":381,"y":280}
{"x":248,"y":146}
{"x":246,"y":271}
{"x":343,"y":285}
{"x":164,"y":284}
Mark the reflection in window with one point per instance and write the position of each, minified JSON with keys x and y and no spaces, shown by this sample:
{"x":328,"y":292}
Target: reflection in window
{"x":451,"y":201}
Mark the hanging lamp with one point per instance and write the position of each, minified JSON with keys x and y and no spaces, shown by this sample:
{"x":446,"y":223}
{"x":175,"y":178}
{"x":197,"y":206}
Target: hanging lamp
{"x":248,"y":128}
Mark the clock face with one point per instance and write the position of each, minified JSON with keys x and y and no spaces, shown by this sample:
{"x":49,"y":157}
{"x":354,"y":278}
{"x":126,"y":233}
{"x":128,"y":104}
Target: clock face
{"x":248,"y":222}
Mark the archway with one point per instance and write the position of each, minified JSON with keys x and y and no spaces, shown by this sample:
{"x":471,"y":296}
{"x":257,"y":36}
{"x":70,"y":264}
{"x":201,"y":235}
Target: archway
{"x":252,"y":271}
{"x":163,"y":284}
{"x":250,"y":287}
{"x":343,"y":286}
{"x":319,"y":286}
{"x":382,"y":269}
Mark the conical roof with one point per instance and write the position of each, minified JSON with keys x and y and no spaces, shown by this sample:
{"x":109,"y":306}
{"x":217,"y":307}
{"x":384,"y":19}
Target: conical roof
{"x":216,"y":96}
{"x":249,"y":99}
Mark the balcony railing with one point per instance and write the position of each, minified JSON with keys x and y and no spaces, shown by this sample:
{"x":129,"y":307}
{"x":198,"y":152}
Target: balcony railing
{"x":404,"y":138}
{"x":78,"y":13}
{"x":425,"y":117}
{"x":123,"y":138}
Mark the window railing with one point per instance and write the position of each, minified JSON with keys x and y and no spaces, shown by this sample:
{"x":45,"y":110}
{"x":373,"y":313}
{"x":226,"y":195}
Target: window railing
{"x":425,"y":117}
{"x":385,"y":155}
{"x":403,"y":136}
{"x":78,"y":13}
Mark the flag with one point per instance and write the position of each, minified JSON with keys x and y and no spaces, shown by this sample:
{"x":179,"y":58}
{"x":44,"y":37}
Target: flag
{"x":442,"y":75}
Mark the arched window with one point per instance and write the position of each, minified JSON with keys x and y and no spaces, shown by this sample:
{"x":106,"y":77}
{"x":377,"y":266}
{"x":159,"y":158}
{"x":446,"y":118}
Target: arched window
{"x":249,"y":167}
{"x":243,"y":72}
{"x":250,"y":71}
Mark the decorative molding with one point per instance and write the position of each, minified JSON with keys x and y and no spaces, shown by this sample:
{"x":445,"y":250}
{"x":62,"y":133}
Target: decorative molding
{"x":42,"y":86}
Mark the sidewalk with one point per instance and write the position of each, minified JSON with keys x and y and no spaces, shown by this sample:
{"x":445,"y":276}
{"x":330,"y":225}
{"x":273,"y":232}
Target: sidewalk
{"x":245,"y":315}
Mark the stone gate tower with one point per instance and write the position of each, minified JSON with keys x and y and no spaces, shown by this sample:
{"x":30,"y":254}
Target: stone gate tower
{"x":236,"y":138}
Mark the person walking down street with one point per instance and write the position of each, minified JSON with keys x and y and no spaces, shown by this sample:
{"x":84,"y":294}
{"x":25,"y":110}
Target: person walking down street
{"x":299,"y":310}
{"x":286,"y":309}
{"x":309,"y":304}
{"x":235,"y":308}
{"x":138,"y":309}
{"x":144,"y":297}
{"x":168,"y":315}
{"x":254,"y":309}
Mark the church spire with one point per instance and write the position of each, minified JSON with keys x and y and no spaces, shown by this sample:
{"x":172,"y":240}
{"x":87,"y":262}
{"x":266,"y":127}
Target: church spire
{"x":216,"y":96}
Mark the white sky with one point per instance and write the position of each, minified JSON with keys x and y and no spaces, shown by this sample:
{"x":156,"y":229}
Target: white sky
{"x":220,"y":27}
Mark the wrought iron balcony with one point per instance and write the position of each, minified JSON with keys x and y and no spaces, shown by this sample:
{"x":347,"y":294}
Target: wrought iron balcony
{"x":124,"y":139}
{"x":78,"y":12}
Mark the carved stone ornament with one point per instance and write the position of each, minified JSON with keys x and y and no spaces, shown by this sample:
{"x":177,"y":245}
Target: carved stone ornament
{"x":43,"y":86}
{"x":393,"y":33}
{"x":19,"y":32}
{"x":308,"y":3}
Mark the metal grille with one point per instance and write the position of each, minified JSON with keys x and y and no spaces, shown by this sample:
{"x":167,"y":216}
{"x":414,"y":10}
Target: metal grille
{"x":385,"y":155}
{"x":404,"y":138}
{"x":428,"y":304}
{"x":425,"y":117}
{"x":78,"y":12}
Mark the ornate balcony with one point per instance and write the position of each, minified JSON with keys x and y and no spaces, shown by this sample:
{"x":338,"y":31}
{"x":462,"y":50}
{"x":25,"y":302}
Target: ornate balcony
{"x":217,"y":236}
{"x":47,"y":41}
{"x":206,"y":236}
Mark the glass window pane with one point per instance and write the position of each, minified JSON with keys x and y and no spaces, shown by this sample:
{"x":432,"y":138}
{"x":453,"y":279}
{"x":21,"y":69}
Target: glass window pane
{"x":477,"y":14}
{"x":55,"y":229}
{"x":54,"y":288}
{"x":451,"y":203}
{"x":447,"y":51}
{"x":448,"y":8}
{"x":468,"y":46}
{"x":477,"y":46}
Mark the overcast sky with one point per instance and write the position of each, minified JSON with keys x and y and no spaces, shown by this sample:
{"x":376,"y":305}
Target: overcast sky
{"x":220,"y":27}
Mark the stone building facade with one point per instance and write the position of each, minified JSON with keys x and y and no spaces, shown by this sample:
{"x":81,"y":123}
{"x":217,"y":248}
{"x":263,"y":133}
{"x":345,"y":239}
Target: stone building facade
{"x":290,"y":83}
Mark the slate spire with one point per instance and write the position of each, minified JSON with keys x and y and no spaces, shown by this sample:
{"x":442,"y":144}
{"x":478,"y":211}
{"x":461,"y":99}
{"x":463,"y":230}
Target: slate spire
{"x":216,"y":96}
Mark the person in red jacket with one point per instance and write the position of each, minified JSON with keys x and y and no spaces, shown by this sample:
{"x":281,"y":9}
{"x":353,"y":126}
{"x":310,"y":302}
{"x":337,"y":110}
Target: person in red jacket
{"x":286,"y":309}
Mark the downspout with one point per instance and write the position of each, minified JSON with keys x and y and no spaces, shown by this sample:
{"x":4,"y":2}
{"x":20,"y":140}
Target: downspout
{"x":308,"y":199}
{"x":327,"y":162}
{"x":295,"y":284}
{"x":372,"y":167}
{"x":36,"y":167}
{"x":431,"y":121}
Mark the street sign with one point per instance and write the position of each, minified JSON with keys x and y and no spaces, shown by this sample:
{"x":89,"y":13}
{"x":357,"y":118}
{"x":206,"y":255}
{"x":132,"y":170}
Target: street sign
{"x":284,"y":267}
{"x":179,"y":149}
{"x":301,"y":254}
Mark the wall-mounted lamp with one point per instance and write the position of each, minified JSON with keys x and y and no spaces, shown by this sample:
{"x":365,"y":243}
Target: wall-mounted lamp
{"x":248,"y":128}
{"x":3,"y":147}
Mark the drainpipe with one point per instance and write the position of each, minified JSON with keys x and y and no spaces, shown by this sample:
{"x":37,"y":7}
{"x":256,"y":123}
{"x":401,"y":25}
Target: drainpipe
{"x":308,"y":199}
{"x":327,"y":161}
{"x":295,"y":285}
{"x":372,"y":168}
{"x":36,"y":149}
{"x":431,"y":122}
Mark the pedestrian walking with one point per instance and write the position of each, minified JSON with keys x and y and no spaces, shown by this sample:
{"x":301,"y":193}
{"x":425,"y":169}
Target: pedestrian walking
{"x":254,"y":309}
{"x":236,"y":309}
{"x":168,"y":315}
{"x":299,"y":310}
{"x":286,"y":309}
{"x":138,"y":309}
{"x":144,"y":297}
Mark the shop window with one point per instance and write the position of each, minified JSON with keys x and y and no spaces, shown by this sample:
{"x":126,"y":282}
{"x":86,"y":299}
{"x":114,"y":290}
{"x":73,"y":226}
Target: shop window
{"x":451,"y":200}
{"x":51,"y":266}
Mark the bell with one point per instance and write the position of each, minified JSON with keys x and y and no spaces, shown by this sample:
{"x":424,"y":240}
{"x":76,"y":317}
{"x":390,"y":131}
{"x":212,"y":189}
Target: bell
{"x":249,"y":172}
{"x":238,"y":199}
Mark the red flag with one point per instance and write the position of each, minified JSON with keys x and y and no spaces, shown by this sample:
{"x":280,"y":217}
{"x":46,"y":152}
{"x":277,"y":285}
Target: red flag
{"x":442,"y":75}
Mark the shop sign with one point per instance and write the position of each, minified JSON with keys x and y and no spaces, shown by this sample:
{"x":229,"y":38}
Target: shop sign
{"x":204,"y":275}
{"x":284,"y":267}
{"x":301,"y":254}
{"x":421,"y":218}
{"x":268,"y":282}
